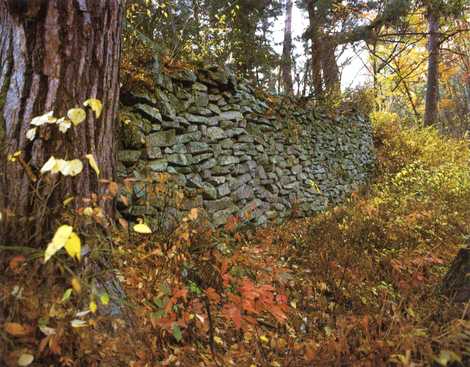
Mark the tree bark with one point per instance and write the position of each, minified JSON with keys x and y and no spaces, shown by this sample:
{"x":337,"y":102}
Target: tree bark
{"x":54,"y":55}
{"x":330,"y":67}
{"x":315,"y":50}
{"x":287,"y":51}
{"x":456,"y":283}
{"x":432,"y":87}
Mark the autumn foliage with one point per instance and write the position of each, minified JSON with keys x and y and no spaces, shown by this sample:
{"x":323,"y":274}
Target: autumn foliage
{"x":357,"y":285}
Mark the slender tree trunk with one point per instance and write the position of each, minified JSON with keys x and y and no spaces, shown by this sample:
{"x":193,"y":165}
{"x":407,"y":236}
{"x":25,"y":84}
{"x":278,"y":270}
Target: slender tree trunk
{"x":315,"y":49}
{"x":54,"y":54}
{"x":287,"y":51}
{"x":432,"y":88}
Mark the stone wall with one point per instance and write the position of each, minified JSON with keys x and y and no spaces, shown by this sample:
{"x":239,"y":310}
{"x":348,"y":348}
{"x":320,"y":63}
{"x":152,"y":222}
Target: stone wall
{"x":236,"y":153}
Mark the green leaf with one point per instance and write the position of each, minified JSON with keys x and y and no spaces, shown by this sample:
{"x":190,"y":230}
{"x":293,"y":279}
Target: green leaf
{"x":66,"y":295}
{"x":177,"y":332}
{"x":104,"y":298}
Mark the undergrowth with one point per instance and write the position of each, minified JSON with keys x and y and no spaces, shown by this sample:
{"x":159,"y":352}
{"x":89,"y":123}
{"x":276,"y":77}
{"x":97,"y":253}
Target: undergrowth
{"x":355,"y":286}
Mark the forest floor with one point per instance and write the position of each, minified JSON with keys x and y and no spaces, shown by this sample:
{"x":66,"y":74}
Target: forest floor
{"x":358,"y":285}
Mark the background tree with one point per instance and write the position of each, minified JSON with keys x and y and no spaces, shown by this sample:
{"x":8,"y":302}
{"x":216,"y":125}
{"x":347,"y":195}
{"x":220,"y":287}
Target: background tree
{"x":286,"y":68}
{"x":53,"y":56}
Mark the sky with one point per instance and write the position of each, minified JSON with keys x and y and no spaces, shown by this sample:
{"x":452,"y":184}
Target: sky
{"x":354,"y":74}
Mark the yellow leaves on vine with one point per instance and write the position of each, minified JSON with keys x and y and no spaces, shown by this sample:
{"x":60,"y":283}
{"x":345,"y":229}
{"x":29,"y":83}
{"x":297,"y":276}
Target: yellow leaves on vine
{"x":76,"y":115}
{"x":64,"y":237}
{"x":95,"y":105}
{"x":93,"y":164}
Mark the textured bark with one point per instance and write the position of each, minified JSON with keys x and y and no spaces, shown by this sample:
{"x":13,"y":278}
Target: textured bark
{"x":316,"y":50}
{"x":432,"y":87}
{"x":287,"y":51}
{"x":54,"y":55}
{"x":330,"y":67}
{"x":456,"y":283}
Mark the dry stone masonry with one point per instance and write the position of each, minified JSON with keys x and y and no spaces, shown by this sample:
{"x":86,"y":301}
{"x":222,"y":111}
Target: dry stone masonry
{"x":234,"y":152}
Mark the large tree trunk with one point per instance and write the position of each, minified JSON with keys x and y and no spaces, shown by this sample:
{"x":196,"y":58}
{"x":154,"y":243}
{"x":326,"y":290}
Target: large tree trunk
{"x":287,"y":51}
{"x":432,"y":88}
{"x":54,"y":55}
{"x":330,"y":67}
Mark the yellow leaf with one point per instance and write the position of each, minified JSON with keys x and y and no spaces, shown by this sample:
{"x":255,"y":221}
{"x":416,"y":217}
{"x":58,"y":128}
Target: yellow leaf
{"x":77,"y":287}
{"x":88,"y":211}
{"x":142,"y":228}
{"x":95,"y":105}
{"x":193,"y":214}
{"x":44,"y":119}
{"x":218,"y":340}
{"x":76,"y":115}
{"x":73,"y":246}
{"x":59,"y":240}
{"x":93,"y":164}
{"x":264,"y":339}
{"x":68,"y":201}
{"x":93,"y":307}
{"x":71,"y":168}
{"x":78,"y":323}
{"x":104,"y":298}
{"x":25,"y":360}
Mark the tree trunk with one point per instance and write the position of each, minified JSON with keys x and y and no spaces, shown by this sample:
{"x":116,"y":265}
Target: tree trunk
{"x":287,"y":51}
{"x":330,"y":67}
{"x":316,"y":50}
{"x":432,"y":88}
{"x":456,"y":283}
{"x":54,"y":55}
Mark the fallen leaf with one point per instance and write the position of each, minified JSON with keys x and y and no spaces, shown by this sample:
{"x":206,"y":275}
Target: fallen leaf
{"x":25,"y":359}
{"x":15,"y":329}
{"x":142,"y":228}
{"x":73,"y":246}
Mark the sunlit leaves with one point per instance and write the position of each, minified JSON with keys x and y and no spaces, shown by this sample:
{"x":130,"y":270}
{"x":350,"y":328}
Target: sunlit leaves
{"x":66,"y":168}
{"x":31,"y":134}
{"x":73,"y":246}
{"x":95,"y":105}
{"x":142,"y":228}
{"x":76,"y":115}
{"x":78,"y":323}
{"x":25,"y":359}
{"x":93,"y":164}
{"x":47,"y":118}
{"x":64,"y":237}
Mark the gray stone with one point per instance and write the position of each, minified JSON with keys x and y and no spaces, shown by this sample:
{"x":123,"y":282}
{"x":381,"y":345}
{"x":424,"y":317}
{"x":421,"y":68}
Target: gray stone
{"x":149,"y":112}
{"x":216,"y":205}
{"x":161,"y":139}
{"x":228,"y":160}
{"x":215,"y":133}
{"x":231,"y":115}
{"x":224,"y":189}
{"x":159,"y":165}
{"x":179,"y":159}
{"x":186,"y":138}
{"x":198,"y":147}
{"x":184,"y":75}
{"x":196,"y":119}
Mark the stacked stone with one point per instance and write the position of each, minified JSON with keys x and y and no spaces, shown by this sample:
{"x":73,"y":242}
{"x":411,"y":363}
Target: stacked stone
{"x":234,"y":156}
